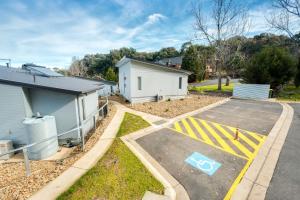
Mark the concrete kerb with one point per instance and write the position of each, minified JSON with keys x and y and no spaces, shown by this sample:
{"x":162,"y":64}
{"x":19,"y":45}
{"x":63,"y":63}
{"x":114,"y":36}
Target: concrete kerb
{"x":256,"y":180}
{"x":60,"y":184}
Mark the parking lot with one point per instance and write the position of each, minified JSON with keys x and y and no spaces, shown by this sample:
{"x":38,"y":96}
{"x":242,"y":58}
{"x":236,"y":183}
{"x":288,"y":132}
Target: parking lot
{"x":202,"y":151}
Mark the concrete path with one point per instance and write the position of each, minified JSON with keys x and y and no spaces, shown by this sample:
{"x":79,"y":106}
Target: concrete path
{"x":285,"y":183}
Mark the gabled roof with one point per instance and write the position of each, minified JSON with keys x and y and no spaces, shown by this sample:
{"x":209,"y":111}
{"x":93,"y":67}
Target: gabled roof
{"x":15,"y":76}
{"x":125,"y":60}
{"x":40,"y":70}
{"x":171,"y":61}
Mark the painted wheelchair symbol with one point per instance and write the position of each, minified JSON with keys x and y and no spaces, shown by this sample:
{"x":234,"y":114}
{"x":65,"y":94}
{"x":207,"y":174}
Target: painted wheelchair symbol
{"x":204,"y":165}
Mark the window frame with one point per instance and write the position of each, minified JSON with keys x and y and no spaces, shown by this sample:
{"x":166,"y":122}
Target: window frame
{"x":180,"y":83}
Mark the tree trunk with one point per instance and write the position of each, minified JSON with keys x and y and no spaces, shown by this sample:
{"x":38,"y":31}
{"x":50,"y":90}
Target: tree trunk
{"x":219,"y":82}
{"x":227,"y":80}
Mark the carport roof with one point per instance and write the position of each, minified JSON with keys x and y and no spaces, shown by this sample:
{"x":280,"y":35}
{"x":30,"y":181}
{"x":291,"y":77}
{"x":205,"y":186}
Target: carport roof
{"x":15,"y":76}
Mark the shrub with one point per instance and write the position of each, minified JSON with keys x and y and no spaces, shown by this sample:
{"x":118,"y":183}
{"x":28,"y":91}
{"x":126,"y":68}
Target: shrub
{"x":273,"y":65}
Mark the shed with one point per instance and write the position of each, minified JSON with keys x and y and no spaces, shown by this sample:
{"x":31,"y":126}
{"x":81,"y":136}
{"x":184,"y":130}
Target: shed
{"x":142,"y":81}
{"x":24,"y":94}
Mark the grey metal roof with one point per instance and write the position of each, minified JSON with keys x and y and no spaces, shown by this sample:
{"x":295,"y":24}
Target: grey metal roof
{"x":15,"y":76}
{"x":106,"y":82}
{"x":125,"y":60}
{"x":173,"y":61}
{"x":40,"y":70}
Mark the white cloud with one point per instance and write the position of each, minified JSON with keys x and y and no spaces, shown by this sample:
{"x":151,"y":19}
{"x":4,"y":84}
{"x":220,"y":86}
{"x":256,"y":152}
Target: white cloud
{"x":155,"y":17}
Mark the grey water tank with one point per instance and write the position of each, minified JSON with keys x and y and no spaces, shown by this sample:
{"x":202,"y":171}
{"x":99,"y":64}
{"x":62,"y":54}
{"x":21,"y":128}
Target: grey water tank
{"x":39,"y":129}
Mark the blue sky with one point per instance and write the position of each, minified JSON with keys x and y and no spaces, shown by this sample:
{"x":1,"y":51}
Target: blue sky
{"x":50,"y":32}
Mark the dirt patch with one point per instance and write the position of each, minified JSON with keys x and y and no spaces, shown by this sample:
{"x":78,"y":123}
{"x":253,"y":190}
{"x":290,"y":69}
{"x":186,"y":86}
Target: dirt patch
{"x":15,"y":185}
{"x":172,"y":108}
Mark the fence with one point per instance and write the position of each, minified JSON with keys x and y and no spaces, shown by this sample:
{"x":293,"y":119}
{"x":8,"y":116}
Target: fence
{"x":251,"y":91}
{"x":102,"y":112}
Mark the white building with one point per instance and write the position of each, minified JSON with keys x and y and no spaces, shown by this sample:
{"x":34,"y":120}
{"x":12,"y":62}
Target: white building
{"x":141,"y":81}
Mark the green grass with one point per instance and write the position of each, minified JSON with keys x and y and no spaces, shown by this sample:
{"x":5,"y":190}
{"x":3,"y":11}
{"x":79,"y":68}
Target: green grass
{"x":119,"y":174}
{"x":212,"y":88}
{"x":289,"y":93}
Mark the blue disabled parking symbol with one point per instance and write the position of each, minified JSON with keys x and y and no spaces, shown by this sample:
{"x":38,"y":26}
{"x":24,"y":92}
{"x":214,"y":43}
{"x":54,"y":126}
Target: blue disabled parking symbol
{"x":203,"y":163}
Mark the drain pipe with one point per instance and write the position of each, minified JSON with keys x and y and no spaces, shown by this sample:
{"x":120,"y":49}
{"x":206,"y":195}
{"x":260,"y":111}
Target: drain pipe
{"x":80,"y":124}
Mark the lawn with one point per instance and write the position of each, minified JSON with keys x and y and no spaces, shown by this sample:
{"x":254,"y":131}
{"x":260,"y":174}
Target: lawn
{"x":212,"y":88}
{"x":290,"y":93}
{"x":119,"y":174}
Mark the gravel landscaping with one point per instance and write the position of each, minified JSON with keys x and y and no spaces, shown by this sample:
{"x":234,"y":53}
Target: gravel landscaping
{"x":172,"y":108}
{"x":15,"y":185}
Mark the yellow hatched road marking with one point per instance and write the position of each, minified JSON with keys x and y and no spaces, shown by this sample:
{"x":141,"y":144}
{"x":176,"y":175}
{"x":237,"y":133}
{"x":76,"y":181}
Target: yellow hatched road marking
{"x":201,"y":132}
{"x":213,"y":145}
{"x":258,"y":138}
{"x":177,"y":127}
{"x":245,"y":138}
{"x":235,"y":142}
{"x":218,"y":138}
{"x":242,"y":173}
{"x":188,"y":128}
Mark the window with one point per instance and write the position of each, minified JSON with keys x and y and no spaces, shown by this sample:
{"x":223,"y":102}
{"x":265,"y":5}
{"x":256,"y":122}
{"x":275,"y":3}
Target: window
{"x":180,"y":82}
{"x":139,"y":83}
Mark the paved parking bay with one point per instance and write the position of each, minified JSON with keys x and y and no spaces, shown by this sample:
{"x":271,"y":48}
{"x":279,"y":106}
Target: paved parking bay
{"x":201,"y":151}
{"x":256,"y":116}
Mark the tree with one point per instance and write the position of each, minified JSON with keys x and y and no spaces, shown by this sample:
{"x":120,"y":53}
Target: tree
{"x":297,"y":77}
{"x":229,"y":19}
{"x":111,"y":75}
{"x":273,"y":65}
{"x":165,"y":53}
{"x":77,"y":68}
{"x":286,"y":14}
{"x":191,"y":61}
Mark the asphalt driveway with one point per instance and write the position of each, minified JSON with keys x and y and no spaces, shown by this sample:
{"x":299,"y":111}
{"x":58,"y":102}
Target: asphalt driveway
{"x":200,"y":151}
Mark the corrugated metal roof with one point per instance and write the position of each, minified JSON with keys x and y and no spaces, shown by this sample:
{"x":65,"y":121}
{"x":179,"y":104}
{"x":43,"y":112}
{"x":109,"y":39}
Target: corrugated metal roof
{"x":15,"y":76}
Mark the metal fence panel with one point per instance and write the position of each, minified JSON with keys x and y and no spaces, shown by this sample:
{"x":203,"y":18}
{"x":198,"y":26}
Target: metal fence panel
{"x":251,"y":91}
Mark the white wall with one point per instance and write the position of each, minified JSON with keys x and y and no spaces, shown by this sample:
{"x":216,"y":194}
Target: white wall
{"x":107,"y":90}
{"x":124,"y":85}
{"x":155,"y":81}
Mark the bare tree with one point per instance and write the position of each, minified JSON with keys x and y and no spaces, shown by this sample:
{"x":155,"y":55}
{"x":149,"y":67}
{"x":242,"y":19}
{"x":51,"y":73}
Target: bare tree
{"x":285,"y":17}
{"x":77,"y":68}
{"x":228,"y":18}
